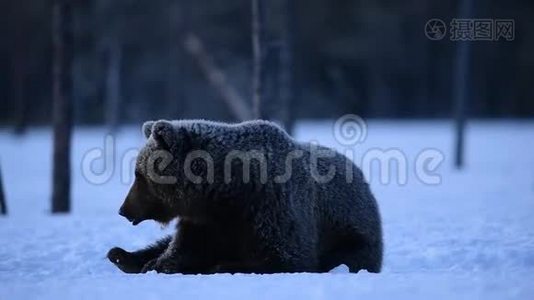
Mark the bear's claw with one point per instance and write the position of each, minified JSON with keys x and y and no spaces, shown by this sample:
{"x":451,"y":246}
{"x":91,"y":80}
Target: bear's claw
{"x":124,"y":260}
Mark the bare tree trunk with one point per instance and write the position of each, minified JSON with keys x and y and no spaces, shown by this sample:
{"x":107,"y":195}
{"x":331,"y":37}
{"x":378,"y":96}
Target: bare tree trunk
{"x":21,"y":105}
{"x":62,"y":107}
{"x":287,"y":66}
{"x":343,"y":88}
{"x":258,"y":47}
{"x":18,"y":66}
{"x":113,"y":84}
{"x":238,"y":106}
{"x":3,"y":206}
{"x":176,"y":81}
{"x":461,"y":84}
{"x":380,"y":103}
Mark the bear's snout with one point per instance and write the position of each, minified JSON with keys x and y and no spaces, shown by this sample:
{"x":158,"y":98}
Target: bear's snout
{"x":123,"y":211}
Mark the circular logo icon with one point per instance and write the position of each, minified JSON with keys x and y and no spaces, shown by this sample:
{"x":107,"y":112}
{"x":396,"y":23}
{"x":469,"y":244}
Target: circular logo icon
{"x":435,"y":29}
{"x":350,"y":130}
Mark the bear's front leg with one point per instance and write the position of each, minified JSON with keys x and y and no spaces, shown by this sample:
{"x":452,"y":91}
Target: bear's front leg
{"x":171,"y":263}
{"x":167,"y":263}
{"x":133,"y":262}
{"x":190,"y":252}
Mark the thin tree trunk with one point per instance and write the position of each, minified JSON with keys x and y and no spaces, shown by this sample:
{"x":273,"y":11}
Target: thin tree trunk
{"x":258,"y":47}
{"x":421,"y":58}
{"x":21,"y":105}
{"x":176,"y":81}
{"x":3,"y":206}
{"x":113,"y":85}
{"x":343,"y":89}
{"x":19,"y":71}
{"x":380,"y":104}
{"x":62,"y":107}
{"x":461,"y":84}
{"x":287,"y":66}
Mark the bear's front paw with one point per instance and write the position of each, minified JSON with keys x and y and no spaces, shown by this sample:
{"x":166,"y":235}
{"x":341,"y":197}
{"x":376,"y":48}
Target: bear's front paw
{"x":149,"y":266}
{"x":166,"y":265}
{"x":118,"y":255}
{"x":124,"y":260}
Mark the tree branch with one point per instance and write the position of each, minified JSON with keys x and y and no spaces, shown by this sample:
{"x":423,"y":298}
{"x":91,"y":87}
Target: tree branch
{"x":216,"y":78}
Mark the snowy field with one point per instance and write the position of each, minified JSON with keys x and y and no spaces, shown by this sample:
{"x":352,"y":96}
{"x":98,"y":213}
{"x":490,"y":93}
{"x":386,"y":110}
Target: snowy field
{"x":469,"y":237}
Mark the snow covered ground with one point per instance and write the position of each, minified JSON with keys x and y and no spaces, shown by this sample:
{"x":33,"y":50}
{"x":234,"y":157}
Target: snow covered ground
{"x":469,"y":237}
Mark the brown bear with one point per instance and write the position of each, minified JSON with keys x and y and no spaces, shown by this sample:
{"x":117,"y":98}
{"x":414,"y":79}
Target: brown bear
{"x":248,"y":198}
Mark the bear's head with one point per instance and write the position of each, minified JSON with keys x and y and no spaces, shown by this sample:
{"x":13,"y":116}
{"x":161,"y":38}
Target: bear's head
{"x":156,"y":193}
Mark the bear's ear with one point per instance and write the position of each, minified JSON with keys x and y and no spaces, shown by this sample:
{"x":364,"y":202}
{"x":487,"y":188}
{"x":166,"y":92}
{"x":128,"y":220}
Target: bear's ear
{"x":164,"y":134}
{"x":147,"y":128}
